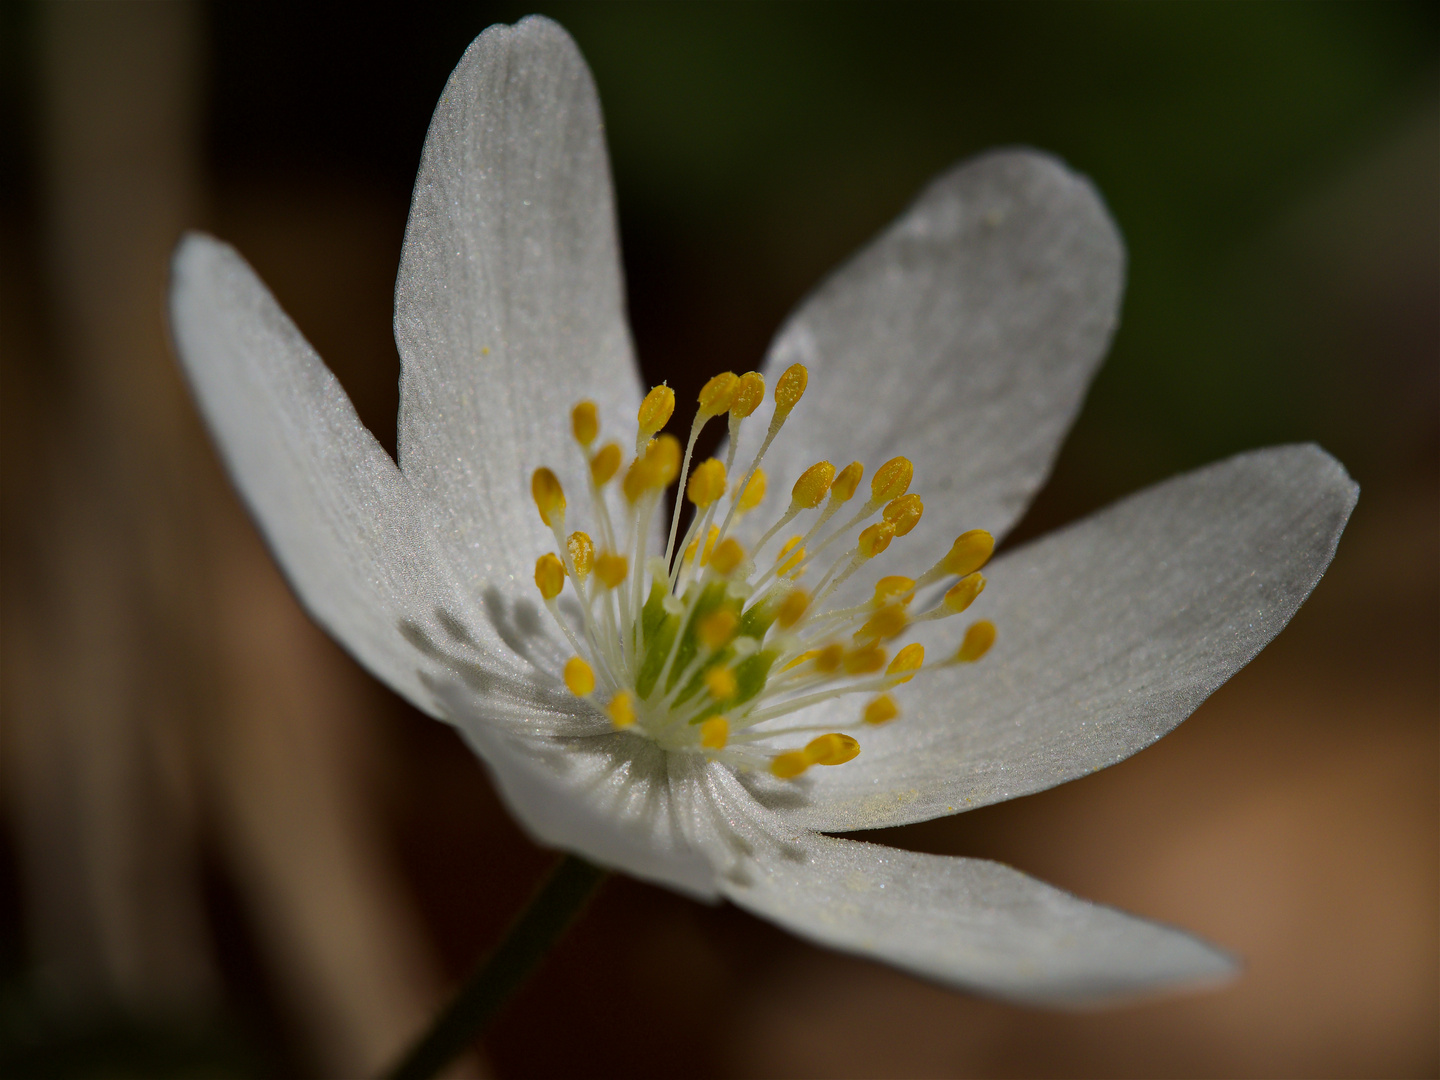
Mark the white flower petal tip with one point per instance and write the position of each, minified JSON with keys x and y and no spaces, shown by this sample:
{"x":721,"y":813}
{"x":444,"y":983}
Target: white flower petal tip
{"x":509,"y":304}
{"x":964,"y":336}
{"x":974,"y":925}
{"x":1115,"y":629}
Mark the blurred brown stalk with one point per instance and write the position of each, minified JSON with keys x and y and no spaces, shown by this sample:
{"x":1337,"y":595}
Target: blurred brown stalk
{"x":166,"y":704}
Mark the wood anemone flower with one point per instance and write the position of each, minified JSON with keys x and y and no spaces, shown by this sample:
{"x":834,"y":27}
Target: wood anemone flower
{"x":693,"y":709}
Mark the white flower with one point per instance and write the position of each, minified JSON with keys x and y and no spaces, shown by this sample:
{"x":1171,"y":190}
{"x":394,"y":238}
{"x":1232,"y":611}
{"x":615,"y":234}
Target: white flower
{"x":963,"y":338}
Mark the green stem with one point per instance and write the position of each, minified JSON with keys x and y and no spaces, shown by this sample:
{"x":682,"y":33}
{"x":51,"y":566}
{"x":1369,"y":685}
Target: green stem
{"x":555,"y":905}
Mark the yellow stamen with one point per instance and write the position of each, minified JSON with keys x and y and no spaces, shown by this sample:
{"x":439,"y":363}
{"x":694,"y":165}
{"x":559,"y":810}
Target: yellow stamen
{"x":655,"y":410}
{"x":843,"y":490}
{"x":810,"y":654}
{"x":792,"y":608}
{"x":904,"y":513}
{"x":876,"y":538}
{"x":605,"y":464}
{"x":585,"y":422}
{"x":883,"y":625}
{"x":578,"y":677}
{"x":655,"y":469}
{"x":717,"y":628}
{"x":865,"y":660}
{"x":790,"y":764}
{"x":710,"y":538}
{"x":789,"y":388}
{"x":582,"y":553}
{"x":830,"y":658}
{"x":640,"y":477}
{"x":969,"y":553}
{"x":786,"y":561}
{"x":812,"y":487}
{"x":891,"y":480}
{"x":978,"y":640}
{"x":895,"y":585}
{"x":752,"y":495}
{"x":907,"y":661}
{"x":748,"y":395}
{"x":715,"y":733}
{"x":549,"y":576}
{"x":832,"y":749}
{"x":611,"y":568}
{"x":717,"y":394}
{"x":549,"y":496}
{"x":728,"y":556}
{"x":720,"y":681}
{"x":963,"y":593}
{"x":881,"y":710}
{"x":707,"y":482}
{"x":664,"y":455}
{"x":621,"y":709}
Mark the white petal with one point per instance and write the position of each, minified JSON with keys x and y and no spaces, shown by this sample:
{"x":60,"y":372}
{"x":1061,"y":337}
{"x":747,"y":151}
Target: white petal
{"x":612,"y":798}
{"x":963,"y":337}
{"x":972,"y":924}
{"x":968,"y":923}
{"x":509,"y":305}
{"x":341,"y":520}
{"x":1111,"y":632}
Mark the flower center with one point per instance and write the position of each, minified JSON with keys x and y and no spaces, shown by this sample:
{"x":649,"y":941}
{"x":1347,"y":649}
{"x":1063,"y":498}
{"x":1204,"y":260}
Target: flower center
{"x":710,"y":648}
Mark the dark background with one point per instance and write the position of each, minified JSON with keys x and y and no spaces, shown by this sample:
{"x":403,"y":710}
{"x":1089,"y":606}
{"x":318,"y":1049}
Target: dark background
{"x":294,"y":866}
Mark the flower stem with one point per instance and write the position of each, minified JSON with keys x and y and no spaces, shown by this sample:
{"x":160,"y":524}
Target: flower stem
{"x":555,"y":905}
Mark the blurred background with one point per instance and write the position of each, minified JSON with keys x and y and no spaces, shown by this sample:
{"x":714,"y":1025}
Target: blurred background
{"x":226,"y":851}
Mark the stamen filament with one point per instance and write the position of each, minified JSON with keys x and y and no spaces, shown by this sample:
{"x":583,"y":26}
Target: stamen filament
{"x":554,"y":610}
{"x":681,"y":628}
{"x":695,"y":426}
{"x":558,"y":528}
{"x":761,"y":715}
